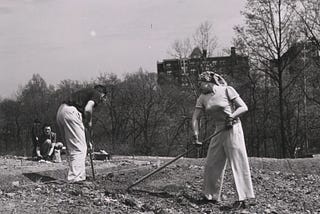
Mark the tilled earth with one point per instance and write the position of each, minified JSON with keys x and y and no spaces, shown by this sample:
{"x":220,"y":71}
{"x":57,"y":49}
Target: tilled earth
{"x":281,"y":186}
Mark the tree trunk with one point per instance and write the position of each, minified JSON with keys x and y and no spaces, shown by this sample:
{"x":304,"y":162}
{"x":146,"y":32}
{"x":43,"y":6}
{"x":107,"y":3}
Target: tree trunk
{"x":282,"y":118}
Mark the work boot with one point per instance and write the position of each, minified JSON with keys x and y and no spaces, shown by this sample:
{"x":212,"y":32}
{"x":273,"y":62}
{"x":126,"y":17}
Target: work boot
{"x":206,"y":200}
{"x":239,"y":205}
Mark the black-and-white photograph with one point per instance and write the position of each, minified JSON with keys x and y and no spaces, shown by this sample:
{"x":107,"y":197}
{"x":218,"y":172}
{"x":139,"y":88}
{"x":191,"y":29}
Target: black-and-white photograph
{"x":160,"y":106}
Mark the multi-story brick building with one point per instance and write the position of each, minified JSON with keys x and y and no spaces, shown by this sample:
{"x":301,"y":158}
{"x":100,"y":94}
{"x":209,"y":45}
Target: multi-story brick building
{"x":184,"y":72}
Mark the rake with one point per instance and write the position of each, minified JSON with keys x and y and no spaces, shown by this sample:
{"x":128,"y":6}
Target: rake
{"x":173,"y":160}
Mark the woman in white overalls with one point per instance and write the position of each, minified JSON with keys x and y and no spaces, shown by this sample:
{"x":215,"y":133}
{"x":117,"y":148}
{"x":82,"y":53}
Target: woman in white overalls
{"x":224,"y":105}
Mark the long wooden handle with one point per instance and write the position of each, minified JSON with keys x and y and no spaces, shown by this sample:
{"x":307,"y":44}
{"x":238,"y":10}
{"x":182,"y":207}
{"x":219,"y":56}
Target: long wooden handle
{"x":173,"y":160}
{"x":92,"y":168}
{"x":89,"y":140}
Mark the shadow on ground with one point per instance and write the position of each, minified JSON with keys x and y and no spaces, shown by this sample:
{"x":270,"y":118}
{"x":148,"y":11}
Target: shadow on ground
{"x":37,"y":177}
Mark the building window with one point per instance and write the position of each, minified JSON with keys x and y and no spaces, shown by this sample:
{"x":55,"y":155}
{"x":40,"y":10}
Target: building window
{"x":222,"y":62}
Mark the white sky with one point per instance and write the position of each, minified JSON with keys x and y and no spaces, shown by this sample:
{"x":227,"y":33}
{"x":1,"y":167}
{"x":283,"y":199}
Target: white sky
{"x":79,"y":39}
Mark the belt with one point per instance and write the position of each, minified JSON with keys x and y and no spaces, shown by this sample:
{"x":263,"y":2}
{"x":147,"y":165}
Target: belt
{"x":223,"y":123}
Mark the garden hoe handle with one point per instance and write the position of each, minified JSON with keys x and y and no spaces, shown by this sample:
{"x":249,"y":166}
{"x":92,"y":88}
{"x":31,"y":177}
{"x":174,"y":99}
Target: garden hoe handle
{"x":173,"y":160}
{"x":90,"y":144}
{"x":160,"y":168}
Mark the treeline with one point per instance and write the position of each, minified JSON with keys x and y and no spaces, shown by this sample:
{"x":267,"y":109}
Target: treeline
{"x":281,"y":38}
{"x":139,"y":117}
{"x":142,"y":118}
{"x":281,"y":89}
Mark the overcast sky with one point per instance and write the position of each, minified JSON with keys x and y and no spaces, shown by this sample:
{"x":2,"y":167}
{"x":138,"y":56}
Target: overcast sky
{"x":79,"y":39}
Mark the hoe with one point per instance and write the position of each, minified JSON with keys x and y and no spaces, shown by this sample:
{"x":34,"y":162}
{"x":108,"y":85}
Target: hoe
{"x":173,"y":160}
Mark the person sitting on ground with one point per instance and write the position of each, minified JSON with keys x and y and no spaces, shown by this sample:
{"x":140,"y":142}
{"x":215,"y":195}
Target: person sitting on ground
{"x":46,"y":144}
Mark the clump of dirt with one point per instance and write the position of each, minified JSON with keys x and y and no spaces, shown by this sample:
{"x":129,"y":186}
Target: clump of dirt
{"x":281,"y":186}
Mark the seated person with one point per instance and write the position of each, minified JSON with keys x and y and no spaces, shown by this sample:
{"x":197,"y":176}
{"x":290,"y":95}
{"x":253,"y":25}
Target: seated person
{"x":47,"y":144}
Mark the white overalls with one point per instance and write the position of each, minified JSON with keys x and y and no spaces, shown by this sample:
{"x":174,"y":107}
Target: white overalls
{"x":227,"y":145}
{"x":70,"y":123}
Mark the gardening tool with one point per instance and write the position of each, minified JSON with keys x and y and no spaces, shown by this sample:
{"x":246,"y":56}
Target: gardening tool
{"x":173,"y":160}
{"x":89,"y":144}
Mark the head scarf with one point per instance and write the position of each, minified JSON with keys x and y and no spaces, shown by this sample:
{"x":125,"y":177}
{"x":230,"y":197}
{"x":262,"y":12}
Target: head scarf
{"x":210,"y":76}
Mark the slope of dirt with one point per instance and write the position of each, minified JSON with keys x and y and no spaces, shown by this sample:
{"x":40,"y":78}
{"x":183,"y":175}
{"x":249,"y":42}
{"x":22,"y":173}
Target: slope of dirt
{"x":281,"y":186}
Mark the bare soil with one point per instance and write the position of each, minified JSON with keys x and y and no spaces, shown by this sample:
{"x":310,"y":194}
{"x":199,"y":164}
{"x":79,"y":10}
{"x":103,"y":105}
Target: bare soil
{"x":281,"y":186}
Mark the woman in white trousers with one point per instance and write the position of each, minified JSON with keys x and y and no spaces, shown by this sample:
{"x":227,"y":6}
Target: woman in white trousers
{"x":73,"y":116}
{"x":224,"y":105}
{"x":70,"y":123}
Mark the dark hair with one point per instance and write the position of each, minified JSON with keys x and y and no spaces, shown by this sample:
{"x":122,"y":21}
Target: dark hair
{"x":46,"y":125}
{"x":100,"y":88}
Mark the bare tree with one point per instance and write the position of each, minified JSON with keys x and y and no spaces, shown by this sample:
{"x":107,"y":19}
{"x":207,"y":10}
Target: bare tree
{"x":204,"y":38}
{"x":180,"y":48}
{"x":11,"y":126}
{"x":269,"y":33}
{"x":309,"y":14}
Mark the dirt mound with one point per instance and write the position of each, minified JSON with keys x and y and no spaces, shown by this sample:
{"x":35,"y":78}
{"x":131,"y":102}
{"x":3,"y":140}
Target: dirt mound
{"x":281,"y":186}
